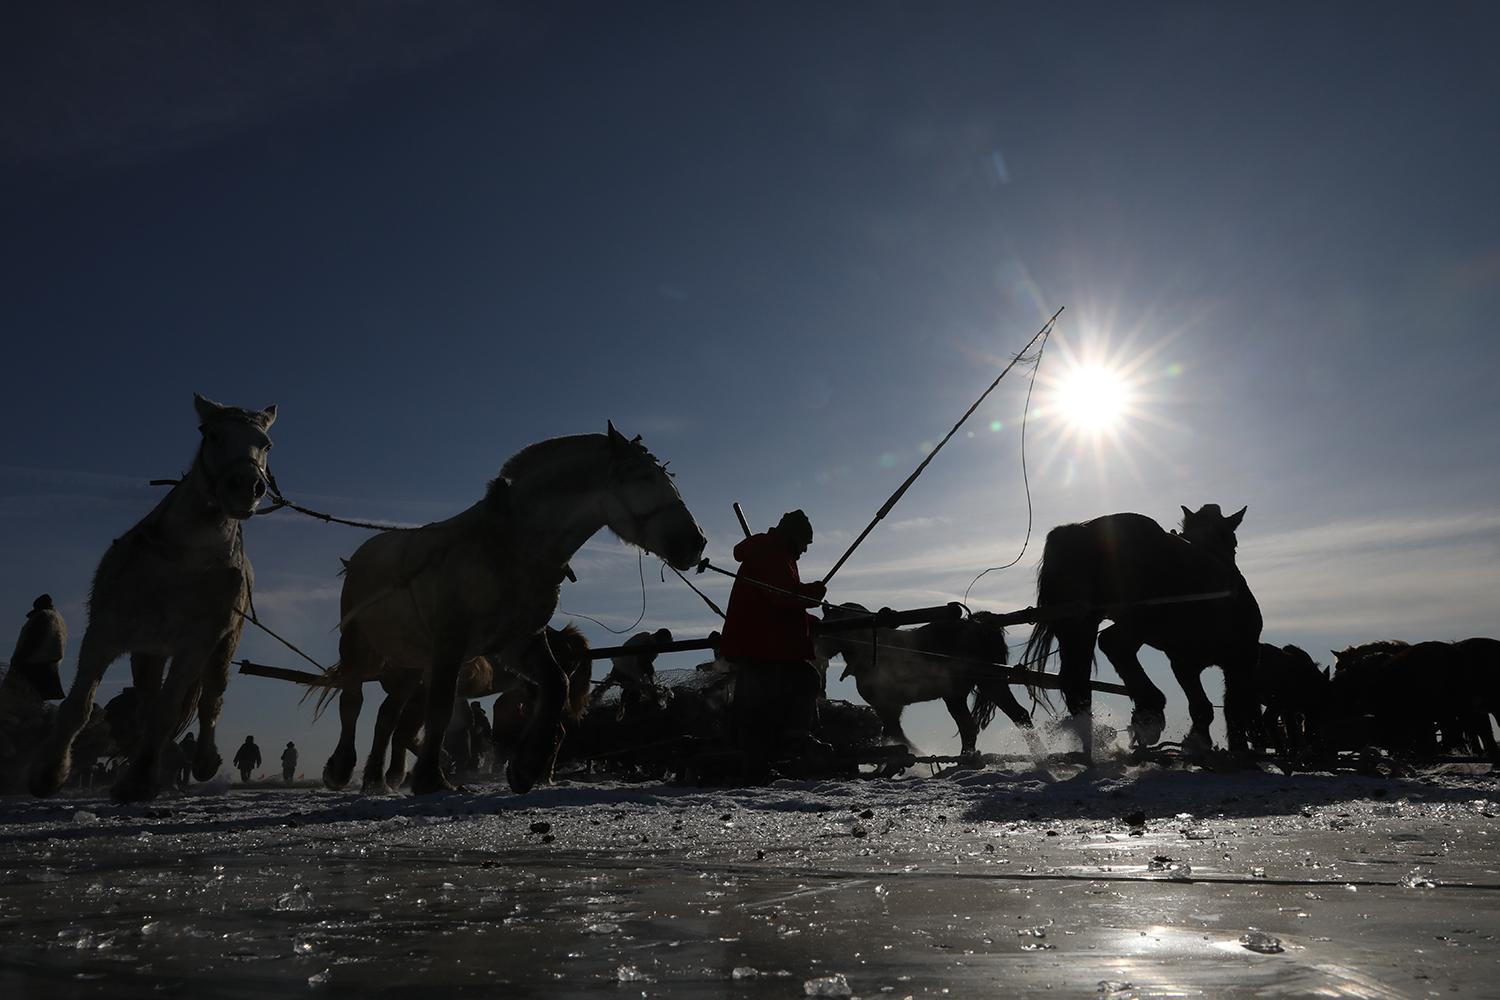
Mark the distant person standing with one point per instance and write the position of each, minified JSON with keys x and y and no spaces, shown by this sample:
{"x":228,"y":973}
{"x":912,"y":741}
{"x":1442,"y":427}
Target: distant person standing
{"x":289,"y":761}
{"x":247,"y":758}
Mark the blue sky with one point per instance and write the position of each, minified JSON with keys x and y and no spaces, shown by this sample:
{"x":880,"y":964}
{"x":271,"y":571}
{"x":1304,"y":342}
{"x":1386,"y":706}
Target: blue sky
{"x":787,"y":244}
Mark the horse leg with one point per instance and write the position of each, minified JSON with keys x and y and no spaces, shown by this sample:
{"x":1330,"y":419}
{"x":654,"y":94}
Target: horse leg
{"x":404,"y":737}
{"x":442,"y":686}
{"x":51,"y":767}
{"x":1190,"y":676}
{"x":1241,"y":702}
{"x":391,"y":708}
{"x":968,"y":731}
{"x":141,"y":780}
{"x":1075,"y":651}
{"x":206,"y":759}
{"x":146,"y":672}
{"x":890,"y":724}
{"x":999,"y":694}
{"x":1148,"y":706}
{"x":340,"y":763}
{"x":542,"y":738}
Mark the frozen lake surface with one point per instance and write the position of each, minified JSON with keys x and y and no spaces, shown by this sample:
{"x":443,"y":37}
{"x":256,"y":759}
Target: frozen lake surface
{"x":987,"y":882}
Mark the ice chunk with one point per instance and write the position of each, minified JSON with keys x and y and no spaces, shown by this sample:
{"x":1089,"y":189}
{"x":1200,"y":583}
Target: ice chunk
{"x":827,"y":986}
{"x":85,"y":818}
{"x":631,"y":974}
{"x":1416,"y":880}
{"x":744,"y":972}
{"x":1170,"y":867}
{"x":298,"y":899}
{"x":1260,"y":941}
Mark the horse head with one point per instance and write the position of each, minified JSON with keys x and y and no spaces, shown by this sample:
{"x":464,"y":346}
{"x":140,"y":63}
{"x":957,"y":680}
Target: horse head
{"x":827,"y":645}
{"x":644,"y":508}
{"x":1208,"y":528}
{"x":232,"y":455}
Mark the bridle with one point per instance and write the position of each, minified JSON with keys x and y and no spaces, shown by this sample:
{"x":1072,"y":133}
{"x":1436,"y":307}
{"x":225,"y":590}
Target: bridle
{"x":212,"y":478}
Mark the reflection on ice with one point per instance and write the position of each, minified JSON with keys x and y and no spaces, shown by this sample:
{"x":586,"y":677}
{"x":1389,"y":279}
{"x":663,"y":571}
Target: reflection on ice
{"x":406,"y":895}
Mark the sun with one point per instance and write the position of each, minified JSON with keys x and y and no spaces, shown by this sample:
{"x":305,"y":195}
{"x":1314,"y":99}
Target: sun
{"x":1092,"y":399}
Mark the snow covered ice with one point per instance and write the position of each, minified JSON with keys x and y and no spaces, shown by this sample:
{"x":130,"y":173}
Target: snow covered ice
{"x":1025,"y":881}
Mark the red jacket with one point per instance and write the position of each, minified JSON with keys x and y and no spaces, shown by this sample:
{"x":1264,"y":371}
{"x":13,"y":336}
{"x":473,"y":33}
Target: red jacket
{"x":762,"y":624}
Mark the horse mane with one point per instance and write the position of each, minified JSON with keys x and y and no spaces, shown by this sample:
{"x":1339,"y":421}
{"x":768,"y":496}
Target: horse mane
{"x":530,"y":458}
{"x":536,"y":457}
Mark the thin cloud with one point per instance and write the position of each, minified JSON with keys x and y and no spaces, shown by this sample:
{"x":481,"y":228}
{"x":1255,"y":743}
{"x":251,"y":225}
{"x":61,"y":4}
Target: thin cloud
{"x":214,"y":69}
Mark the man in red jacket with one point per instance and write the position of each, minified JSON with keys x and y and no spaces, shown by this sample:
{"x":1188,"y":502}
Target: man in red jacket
{"x":768,"y":640}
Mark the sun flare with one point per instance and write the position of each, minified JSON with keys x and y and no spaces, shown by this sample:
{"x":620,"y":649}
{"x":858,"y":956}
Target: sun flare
{"x":1093,"y":399}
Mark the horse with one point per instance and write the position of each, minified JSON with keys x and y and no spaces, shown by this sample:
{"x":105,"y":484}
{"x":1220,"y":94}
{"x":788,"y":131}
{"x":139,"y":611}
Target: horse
{"x":404,"y":708}
{"x":893,"y":668}
{"x":1480,"y":659}
{"x":1413,"y":692}
{"x":175,"y":586}
{"x":1351,"y":657}
{"x":1126,"y":568}
{"x":1293,"y":693}
{"x":485,"y":583}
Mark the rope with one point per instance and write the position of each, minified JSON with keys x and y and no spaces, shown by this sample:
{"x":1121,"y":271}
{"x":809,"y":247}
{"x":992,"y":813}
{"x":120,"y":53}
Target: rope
{"x":706,"y":599}
{"x":1025,"y":478}
{"x":705,"y":564}
{"x":641,"y":570}
{"x":280,"y":501}
{"x":252,"y":617}
{"x":901,"y":490}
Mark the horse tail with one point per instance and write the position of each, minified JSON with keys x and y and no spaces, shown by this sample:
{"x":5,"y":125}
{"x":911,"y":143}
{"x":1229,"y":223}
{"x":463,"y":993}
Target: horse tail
{"x":332,"y":686}
{"x":991,"y":686}
{"x":984,"y":706}
{"x":1070,"y":564}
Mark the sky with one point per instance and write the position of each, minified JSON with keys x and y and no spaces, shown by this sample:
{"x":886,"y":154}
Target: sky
{"x":789,"y":245}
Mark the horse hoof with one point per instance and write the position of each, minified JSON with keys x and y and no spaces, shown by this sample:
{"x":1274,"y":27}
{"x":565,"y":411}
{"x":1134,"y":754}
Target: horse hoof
{"x":46,"y":781}
{"x":1146,"y":728}
{"x":1197,"y":745}
{"x":519,"y":783}
{"x":204,"y":768}
{"x":336,"y":772}
{"x":376,"y":788}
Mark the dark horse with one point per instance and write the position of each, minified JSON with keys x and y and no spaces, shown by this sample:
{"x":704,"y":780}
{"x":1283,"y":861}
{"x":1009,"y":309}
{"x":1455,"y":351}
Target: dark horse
{"x":893,"y":668}
{"x":1294,"y":692}
{"x":1124,"y":567}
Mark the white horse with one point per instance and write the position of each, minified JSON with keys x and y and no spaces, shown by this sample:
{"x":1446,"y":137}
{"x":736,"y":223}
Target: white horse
{"x":174,"y":587}
{"x":485,"y":583}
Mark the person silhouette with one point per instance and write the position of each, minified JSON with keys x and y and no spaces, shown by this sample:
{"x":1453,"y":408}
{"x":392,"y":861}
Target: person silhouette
{"x":247,"y":758}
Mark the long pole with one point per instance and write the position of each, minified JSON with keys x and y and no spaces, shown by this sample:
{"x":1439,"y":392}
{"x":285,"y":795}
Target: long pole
{"x":901,"y":490}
